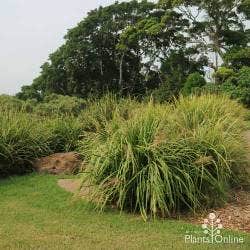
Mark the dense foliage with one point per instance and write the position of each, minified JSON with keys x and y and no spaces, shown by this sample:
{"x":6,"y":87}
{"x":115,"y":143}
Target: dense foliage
{"x":25,"y":137}
{"x":29,"y":130}
{"x":146,"y":157}
{"x":146,"y":147}
{"x":163,"y":159}
{"x":234,"y":83}
{"x":140,"y":48}
{"x":51,"y":105}
{"x":194,"y":81}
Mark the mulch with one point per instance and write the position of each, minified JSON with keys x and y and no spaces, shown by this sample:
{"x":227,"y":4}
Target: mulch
{"x":234,"y":215}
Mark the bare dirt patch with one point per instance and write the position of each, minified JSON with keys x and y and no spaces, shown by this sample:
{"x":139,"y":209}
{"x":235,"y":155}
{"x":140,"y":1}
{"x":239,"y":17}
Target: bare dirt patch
{"x":70,"y":185}
{"x":75,"y":186}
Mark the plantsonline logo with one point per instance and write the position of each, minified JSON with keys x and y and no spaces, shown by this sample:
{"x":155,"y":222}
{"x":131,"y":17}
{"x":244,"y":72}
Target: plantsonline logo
{"x":212,"y":229}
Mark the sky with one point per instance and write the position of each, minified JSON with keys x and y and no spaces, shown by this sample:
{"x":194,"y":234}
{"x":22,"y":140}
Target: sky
{"x":30,"y":30}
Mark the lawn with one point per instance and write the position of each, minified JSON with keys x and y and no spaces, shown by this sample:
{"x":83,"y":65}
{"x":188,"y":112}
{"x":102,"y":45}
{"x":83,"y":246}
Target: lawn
{"x":36,"y":214}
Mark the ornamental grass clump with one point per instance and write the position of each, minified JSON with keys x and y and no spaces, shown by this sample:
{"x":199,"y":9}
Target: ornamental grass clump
{"x":22,"y":139}
{"x":25,"y":137}
{"x":100,"y":112}
{"x":166,"y":159}
{"x":63,"y":133}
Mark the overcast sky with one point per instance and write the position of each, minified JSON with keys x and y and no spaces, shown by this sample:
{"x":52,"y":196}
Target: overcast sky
{"x":32,"y":29}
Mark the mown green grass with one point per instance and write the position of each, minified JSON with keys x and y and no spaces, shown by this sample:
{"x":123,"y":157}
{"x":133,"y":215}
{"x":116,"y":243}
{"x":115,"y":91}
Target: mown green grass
{"x":36,"y":214}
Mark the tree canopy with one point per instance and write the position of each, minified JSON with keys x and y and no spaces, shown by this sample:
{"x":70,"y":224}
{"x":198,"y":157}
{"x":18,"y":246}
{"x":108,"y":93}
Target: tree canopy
{"x":132,"y":48}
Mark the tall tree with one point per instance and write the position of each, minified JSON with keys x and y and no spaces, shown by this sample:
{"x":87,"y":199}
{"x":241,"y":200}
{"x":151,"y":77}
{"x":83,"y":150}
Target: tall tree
{"x":118,"y":48}
{"x":215,"y":25}
{"x":89,"y":61}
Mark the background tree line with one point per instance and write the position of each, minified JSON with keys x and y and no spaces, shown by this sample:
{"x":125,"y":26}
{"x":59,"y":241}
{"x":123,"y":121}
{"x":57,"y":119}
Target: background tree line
{"x":142,"y":48}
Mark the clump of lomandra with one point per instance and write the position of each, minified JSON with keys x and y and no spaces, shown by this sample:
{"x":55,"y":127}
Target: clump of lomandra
{"x":163,"y":159}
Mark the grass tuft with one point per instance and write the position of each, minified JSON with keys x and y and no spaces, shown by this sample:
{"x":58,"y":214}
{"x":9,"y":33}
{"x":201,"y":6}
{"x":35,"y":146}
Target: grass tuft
{"x":165,"y":159}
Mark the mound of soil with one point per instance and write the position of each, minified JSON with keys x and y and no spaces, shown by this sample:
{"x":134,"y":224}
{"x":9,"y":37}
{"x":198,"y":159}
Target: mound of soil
{"x":60,"y":163}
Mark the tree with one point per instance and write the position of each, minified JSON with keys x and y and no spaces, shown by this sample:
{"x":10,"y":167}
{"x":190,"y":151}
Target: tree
{"x":179,"y":65}
{"x":119,"y":48}
{"x":234,"y":83}
{"x":132,"y":48}
{"x":238,"y":57}
{"x":161,"y":40}
{"x":90,"y":63}
{"x":238,"y":86}
{"x":215,"y":25}
{"x":222,"y":74}
{"x":29,"y":92}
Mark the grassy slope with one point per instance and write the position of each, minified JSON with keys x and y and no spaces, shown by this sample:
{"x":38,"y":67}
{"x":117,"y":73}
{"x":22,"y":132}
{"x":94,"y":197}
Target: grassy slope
{"x":36,"y":214}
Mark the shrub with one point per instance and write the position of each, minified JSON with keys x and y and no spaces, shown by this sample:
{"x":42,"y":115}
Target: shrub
{"x":222,"y":74}
{"x":193,"y":82}
{"x":51,"y":105}
{"x":10,"y":103}
{"x":238,"y":57}
{"x":165,"y":159}
{"x":244,"y":77}
{"x":60,"y":105}
{"x":237,"y":87}
{"x":163,"y":93}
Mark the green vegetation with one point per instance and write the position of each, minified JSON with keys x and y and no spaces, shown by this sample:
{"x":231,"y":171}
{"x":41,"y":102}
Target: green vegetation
{"x":25,"y":137}
{"x":58,"y":104}
{"x":50,"y":127}
{"x":193,"y":83}
{"x":10,"y":103}
{"x":156,"y":159}
{"x":234,"y":83}
{"x":164,"y":159}
{"x":52,"y":105}
{"x":21,"y":140}
{"x":101,"y":111}
{"x":37,"y":214}
{"x":222,"y":74}
{"x":137,"y":48}
{"x":147,"y":149}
